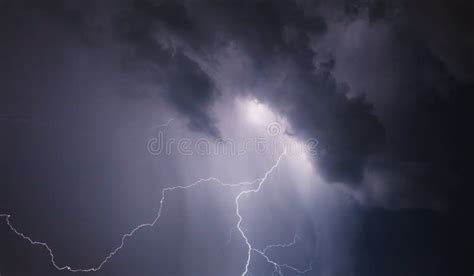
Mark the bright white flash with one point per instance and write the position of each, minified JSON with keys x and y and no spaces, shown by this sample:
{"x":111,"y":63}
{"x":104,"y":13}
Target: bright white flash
{"x":256,"y":112}
{"x":277,"y":130}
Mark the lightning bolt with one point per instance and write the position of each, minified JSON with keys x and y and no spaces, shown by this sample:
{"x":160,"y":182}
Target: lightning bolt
{"x":250,"y":248}
{"x":281,"y":245}
{"x":257,"y":182}
{"x":278,"y":267}
{"x":263,"y":253}
{"x":162,"y":125}
{"x":125,"y":236}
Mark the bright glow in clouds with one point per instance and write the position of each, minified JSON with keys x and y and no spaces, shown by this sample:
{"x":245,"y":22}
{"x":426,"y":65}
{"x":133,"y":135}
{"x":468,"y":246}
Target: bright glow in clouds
{"x":256,"y":112}
{"x":263,"y":117}
{"x":262,"y":121}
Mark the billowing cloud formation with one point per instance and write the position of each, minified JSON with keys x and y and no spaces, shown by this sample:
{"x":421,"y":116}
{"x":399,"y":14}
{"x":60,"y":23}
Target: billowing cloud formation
{"x":310,"y":61}
{"x":420,"y":90}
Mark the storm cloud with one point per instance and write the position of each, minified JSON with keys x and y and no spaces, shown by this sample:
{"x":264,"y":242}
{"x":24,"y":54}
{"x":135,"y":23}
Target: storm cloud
{"x":371,"y":103}
{"x":375,"y":122}
{"x":384,"y":86}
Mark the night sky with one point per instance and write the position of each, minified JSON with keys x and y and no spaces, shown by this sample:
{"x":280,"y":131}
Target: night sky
{"x":155,"y":137}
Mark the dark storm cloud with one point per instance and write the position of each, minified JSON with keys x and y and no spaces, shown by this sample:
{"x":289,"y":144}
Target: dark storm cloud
{"x":414,"y":62}
{"x":272,"y":31}
{"x":399,"y":144}
{"x":445,"y":29}
{"x":182,"y":81}
{"x":407,"y":155}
